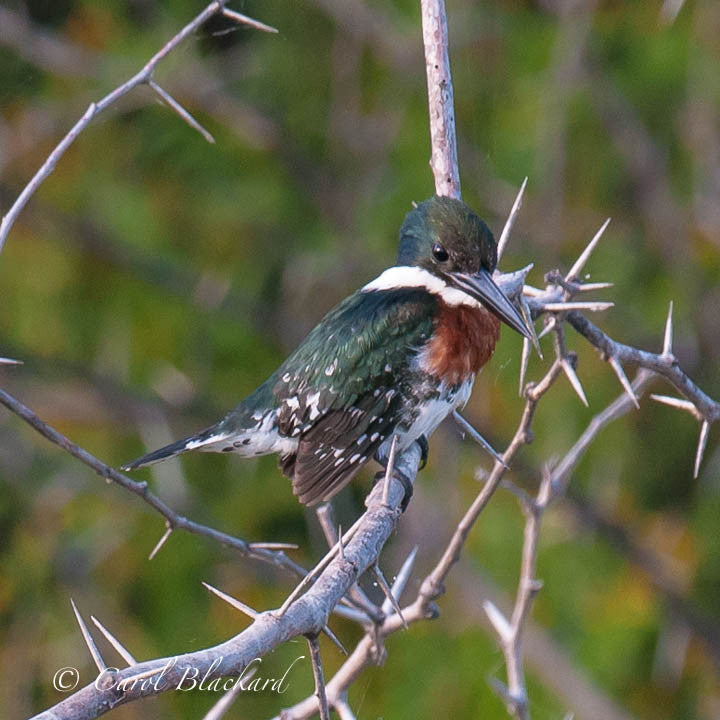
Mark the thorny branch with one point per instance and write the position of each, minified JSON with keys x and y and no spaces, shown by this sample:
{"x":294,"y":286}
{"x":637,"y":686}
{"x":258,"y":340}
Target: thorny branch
{"x":267,"y":552}
{"x":308,"y":615}
{"x":142,"y":77}
{"x":334,"y":580}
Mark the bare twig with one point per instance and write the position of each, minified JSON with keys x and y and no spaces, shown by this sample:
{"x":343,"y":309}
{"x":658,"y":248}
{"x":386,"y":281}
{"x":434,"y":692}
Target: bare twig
{"x":563,"y":469}
{"x":319,"y":677}
{"x":144,"y":76}
{"x":141,"y":489}
{"x":510,"y":632}
{"x":443,"y":159}
{"x":253,"y":614}
{"x":668,"y":367}
{"x":343,"y":709}
{"x":356,"y":595}
{"x":221,"y":707}
{"x":308,"y":579}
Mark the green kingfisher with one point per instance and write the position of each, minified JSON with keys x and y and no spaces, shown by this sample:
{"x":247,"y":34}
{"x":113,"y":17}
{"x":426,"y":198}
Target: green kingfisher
{"x":393,"y":359}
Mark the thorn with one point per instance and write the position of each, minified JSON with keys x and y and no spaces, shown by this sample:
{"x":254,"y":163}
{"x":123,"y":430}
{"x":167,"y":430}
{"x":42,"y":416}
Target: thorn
{"x":326,"y":518}
{"x":128,"y":682}
{"x":549,"y":326}
{"x":702,"y":442}
{"x":225,"y":702}
{"x":356,"y":598}
{"x":574,"y":380}
{"x":350,"y":613}
{"x":528,"y":504}
{"x":401,"y":579}
{"x":527,"y":316}
{"x":622,"y":377}
{"x":181,"y":111}
{"x":389,"y":470}
{"x":122,"y":650}
{"x":160,"y":542}
{"x":532,"y":291}
{"x":340,"y":542}
{"x":513,"y":283}
{"x":324,"y":562}
{"x":592,"y":306}
{"x":500,"y":689}
{"x":678,"y":403}
{"x":668,"y":339}
{"x":10,"y":361}
{"x":576,"y":269}
{"x":505,"y":235}
{"x":590,"y":287}
{"x":334,"y":638}
{"x":245,"y":20}
{"x":497,"y":620}
{"x":343,"y":709}
{"x":307,"y":580}
{"x":477,"y":437}
{"x":388,"y":593}
{"x":524,"y":360}
{"x":535,"y":586}
{"x":273,"y":546}
{"x":241,"y":606}
{"x":97,"y":658}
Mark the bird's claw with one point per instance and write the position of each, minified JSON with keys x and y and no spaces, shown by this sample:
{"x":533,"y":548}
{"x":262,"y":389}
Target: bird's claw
{"x":422,"y":441}
{"x":404,"y":481}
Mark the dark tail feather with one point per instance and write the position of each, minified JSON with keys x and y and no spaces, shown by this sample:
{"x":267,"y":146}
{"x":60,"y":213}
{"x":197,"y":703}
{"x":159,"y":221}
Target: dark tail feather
{"x":194,"y":442}
{"x":162,"y":454}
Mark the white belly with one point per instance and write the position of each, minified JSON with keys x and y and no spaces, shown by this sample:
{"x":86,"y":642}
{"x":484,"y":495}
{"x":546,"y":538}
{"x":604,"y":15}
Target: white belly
{"x":428,"y":416}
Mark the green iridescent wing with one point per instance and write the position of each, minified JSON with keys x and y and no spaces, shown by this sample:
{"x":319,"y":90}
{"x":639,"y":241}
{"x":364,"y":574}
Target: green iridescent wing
{"x":340,"y":393}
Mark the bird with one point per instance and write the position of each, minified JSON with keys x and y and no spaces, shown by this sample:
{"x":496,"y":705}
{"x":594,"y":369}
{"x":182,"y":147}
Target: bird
{"x":392,"y":360}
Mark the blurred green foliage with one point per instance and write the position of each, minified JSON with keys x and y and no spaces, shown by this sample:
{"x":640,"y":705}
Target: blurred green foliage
{"x":154,"y":280}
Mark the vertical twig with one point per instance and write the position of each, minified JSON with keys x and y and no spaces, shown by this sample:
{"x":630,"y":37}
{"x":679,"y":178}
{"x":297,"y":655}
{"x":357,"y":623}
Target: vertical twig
{"x":319,"y":677}
{"x":443,"y":158}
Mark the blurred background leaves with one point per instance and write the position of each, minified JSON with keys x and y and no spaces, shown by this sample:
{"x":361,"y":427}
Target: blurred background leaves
{"x":154,"y":280}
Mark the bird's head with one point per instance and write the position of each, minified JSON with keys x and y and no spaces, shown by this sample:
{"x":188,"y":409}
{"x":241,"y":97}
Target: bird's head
{"x":444,"y":237}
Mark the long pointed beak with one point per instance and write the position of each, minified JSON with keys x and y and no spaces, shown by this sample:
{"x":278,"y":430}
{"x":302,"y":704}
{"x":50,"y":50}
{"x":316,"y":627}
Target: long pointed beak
{"x":481,"y":287}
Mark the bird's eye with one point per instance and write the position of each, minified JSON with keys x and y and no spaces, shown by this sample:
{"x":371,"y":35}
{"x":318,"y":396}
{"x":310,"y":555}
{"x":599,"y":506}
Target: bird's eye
{"x":440,"y":253}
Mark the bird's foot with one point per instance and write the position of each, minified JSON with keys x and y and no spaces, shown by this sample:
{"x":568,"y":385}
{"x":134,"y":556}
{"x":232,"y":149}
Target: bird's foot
{"x":422,"y":441}
{"x":404,"y":481}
